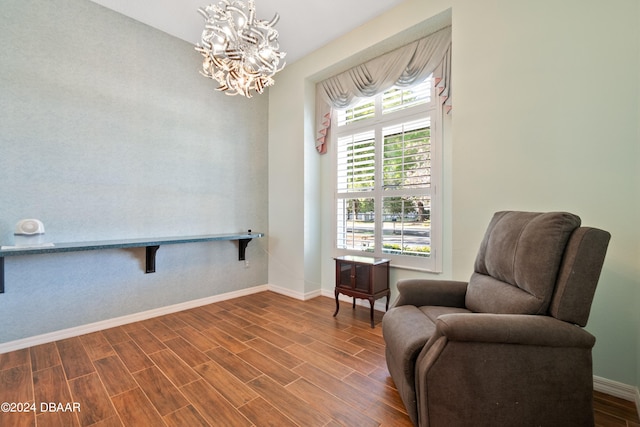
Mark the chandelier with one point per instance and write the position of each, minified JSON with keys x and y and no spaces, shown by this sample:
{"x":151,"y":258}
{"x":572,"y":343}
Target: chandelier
{"x":240,"y":51}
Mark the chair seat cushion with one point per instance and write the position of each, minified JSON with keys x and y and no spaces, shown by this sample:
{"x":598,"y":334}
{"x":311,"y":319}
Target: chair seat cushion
{"x":433,"y":312}
{"x":406,"y":330}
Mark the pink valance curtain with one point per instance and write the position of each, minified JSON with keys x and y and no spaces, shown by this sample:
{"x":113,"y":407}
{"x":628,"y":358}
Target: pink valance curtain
{"x":404,"y":67}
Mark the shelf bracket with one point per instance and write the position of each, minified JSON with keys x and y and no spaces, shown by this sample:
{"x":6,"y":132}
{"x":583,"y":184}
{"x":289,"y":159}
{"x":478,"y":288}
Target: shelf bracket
{"x":242,"y":247}
{"x":151,"y":258}
{"x":1,"y":275}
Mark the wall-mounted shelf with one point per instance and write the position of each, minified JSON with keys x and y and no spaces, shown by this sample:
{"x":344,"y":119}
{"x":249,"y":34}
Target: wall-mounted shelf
{"x":151,"y":244}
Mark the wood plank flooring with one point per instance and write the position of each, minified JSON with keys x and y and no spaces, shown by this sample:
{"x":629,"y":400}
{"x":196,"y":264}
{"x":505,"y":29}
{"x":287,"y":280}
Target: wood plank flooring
{"x":262,"y":360}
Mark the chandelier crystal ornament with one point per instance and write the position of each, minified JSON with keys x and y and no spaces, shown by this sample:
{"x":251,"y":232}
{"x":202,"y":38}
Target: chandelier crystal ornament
{"x":240,"y":51}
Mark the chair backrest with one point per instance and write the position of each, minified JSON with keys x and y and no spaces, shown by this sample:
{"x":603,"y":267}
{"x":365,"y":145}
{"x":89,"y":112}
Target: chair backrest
{"x":537,"y":263}
{"x":579,"y":274}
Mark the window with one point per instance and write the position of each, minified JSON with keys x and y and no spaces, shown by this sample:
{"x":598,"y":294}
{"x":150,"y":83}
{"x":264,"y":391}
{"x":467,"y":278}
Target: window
{"x":387,"y":176}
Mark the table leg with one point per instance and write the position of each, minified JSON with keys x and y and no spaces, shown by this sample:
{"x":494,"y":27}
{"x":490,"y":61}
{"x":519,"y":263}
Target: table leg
{"x":337,"y":303}
{"x":372,"y":302}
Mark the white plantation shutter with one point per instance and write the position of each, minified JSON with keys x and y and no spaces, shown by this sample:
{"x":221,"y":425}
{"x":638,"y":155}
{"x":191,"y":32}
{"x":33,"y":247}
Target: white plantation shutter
{"x":356,"y":162}
{"x":400,"y":98}
{"x":354,"y":229}
{"x":362,"y":111}
{"x":403,"y":237}
{"x":407,"y":155}
{"x":384,"y":176}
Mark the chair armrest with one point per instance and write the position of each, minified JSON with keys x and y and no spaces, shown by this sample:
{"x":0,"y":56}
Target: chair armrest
{"x":505,"y":368}
{"x":512,"y":329}
{"x":420,"y":292}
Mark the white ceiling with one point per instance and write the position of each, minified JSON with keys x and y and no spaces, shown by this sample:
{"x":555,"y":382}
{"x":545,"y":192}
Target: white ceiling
{"x":304,"y":26}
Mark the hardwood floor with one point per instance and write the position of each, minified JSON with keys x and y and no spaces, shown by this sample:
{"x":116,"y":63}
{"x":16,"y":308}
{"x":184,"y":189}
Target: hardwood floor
{"x":263,"y":359}
{"x":611,"y":411}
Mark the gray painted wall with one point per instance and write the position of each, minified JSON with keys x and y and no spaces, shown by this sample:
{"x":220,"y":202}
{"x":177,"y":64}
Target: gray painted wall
{"x":107,"y":131}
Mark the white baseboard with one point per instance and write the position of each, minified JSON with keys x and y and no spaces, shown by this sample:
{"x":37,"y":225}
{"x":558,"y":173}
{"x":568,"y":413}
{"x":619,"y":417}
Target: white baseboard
{"x":297,"y":295}
{"x":379,"y":305}
{"x":123,"y":320}
{"x":617,"y":389}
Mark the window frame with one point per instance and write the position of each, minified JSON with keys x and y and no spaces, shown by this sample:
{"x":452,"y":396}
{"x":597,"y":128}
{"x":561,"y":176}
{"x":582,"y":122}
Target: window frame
{"x":432,"y":110}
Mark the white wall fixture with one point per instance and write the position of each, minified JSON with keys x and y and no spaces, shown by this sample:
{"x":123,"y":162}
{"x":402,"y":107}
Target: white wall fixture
{"x":240,"y":51}
{"x":29,"y":227}
{"x":29,"y":232}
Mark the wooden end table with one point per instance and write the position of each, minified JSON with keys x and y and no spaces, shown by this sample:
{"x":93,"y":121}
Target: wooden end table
{"x":362,"y":277}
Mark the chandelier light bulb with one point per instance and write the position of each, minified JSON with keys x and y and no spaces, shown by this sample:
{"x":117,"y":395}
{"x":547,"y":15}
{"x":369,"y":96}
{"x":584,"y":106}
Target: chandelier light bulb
{"x":240,"y":51}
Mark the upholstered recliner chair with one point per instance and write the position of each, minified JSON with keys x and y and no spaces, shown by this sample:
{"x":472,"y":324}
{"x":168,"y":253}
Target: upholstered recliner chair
{"x":507,"y":347}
